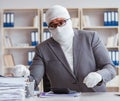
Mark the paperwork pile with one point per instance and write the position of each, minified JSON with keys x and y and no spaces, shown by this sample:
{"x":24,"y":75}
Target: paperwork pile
{"x":12,"y":89}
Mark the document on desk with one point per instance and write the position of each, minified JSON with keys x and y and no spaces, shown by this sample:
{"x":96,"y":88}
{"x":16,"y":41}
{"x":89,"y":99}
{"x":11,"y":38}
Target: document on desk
{"x":12,"y":89}
{"x":51,"y":94}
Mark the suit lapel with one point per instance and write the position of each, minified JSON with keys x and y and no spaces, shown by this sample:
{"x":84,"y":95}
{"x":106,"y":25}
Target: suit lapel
{"x":60,"y":55}
{"x":77,"y":48}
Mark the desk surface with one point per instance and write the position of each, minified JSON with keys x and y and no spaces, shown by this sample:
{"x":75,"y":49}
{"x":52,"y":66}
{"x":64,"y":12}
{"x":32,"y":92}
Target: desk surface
{"x":107,"y":96}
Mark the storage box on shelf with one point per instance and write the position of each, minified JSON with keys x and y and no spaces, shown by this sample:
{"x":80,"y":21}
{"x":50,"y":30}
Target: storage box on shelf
{"x":105,"y":22}
{"x":20,"y":35}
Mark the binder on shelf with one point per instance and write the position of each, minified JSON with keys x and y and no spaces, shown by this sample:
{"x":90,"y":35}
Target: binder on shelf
{"x":8,"y":19}
{"x":36,"y":21}
{"x":9,"y":61}
{"x":105,"y":19}
{"x":44,"y":22}
{"x":114,"y":57}
{"x":110,"y":54}
{"x":46,"y":35}
{"x":116,"y":18}
{"x":109,"y":18}
{"x":11,"y":19}
{"x":117,"y":58}
{"x":34,"y":38}
{"x":31,"y":55}
{"x":29,"y":58}
{"x":113,"y":18}
{"x":4,"y":20}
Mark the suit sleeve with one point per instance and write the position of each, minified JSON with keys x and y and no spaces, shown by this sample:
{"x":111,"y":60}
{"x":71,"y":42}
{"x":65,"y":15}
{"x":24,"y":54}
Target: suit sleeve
{"x":37,"y":68}
{"x":104,"y":65}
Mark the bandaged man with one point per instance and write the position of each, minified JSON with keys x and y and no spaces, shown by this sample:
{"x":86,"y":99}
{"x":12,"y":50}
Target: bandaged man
{"x":71,"y":58}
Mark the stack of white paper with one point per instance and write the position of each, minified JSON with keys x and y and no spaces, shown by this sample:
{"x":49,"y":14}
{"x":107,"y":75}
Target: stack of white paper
{"x":12,"y":89}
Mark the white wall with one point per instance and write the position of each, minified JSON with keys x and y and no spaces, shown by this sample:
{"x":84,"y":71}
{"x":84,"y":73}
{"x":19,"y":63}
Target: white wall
{"x":66,"y":3}
{"x":48,"y":3}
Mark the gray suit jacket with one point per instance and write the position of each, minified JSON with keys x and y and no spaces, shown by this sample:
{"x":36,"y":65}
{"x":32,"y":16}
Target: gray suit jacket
{"x":89,"y":55}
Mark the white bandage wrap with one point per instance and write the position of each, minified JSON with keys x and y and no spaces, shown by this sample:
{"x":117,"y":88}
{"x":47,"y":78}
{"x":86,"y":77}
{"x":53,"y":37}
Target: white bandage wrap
{"x":92,"y":79}
{"x":20,"y":71}
{"x":63,"y":34}
{"x":56,"y":11}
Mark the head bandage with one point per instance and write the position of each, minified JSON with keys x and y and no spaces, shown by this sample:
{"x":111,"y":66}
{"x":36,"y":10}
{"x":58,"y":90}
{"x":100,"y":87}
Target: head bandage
{"x":56,"y":11}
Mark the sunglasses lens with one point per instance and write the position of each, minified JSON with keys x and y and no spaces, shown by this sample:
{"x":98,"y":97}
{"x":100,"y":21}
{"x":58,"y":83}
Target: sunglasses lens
{"x":55,"y":24}
{"x":62,"y":22}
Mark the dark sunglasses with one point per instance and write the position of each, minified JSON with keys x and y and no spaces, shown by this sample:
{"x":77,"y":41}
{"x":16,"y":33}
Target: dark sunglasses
{"x":55,"y":24}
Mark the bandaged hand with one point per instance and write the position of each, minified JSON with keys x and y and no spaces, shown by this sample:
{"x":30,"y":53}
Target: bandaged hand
{"x":92,"y":79}
{"x":20,"y":71}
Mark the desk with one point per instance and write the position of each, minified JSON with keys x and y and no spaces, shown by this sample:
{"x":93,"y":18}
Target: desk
{"x":107,"y":96}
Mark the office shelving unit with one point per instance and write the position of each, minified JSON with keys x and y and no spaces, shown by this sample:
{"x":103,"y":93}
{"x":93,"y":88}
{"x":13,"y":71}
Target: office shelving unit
{"x":19,"y":36}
